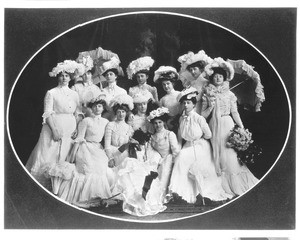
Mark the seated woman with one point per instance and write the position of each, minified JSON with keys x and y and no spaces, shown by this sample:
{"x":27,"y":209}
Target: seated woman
{"x":141,"y":162}
{"x":139,"y":120}
{"x":139,"y":70}
{"x":194,"y":171}
{"x":164,"y":142}
{"x":167,"y":76}
{"x":118,"y":132}
{"x":84,"y":175}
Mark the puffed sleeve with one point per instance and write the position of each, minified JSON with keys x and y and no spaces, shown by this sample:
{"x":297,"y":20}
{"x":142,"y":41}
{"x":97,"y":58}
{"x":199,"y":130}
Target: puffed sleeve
{"x":107,"y":139}
{"x":48,"y":106}
{"x":174,"y":144}
{"x":82,"y":126}
{"x":205,"y":128}
{"x":78,"y":111}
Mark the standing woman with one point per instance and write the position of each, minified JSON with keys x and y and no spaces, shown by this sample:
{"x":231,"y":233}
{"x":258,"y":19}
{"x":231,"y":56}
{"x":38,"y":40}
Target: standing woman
{"x":194,"y":170}
{"x":60,"y":117}
{"x":220,"y":104}
{"x":110,"y":70}
{"x":167,"y":77}
{"x":86,"y":89}
{"x":191,"y":72}
{"x":165,"y":143}
{"x":139,"y":69}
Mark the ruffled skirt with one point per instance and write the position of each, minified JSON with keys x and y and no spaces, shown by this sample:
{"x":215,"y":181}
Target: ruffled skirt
{"x":89,"y":179}
{"x":130,"y":182}
{"x":236,"y":178}
{"x":48,"y":152}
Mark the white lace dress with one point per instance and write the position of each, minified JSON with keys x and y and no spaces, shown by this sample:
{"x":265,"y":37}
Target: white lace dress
{"x":62,"y":103}
{"x":236,"y":178}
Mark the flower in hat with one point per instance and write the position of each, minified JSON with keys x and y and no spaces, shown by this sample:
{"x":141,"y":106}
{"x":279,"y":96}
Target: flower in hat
{"x":142,"y":63}
{"x":157,"y":113}
{"x":188,"y":93}
{"x":68,"y":66}
{"x":190,"y":58}
{"x":122,"y":99}
{"x":86,"y":64}
{"x":220,"y":63}
{"x":142,"y":97}
{"x":165,"y":72}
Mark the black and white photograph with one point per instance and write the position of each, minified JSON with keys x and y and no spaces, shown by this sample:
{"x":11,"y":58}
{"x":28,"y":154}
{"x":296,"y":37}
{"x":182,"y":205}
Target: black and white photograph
{"x":150,"y":118}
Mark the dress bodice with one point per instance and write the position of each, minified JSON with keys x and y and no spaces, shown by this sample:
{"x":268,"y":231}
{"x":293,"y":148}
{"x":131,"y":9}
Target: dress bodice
{"x":117,"y":134}
{"x":193,"y":126}
{"x":170,"y":101}
{"x":92,"y":129}
{"x":112,"y":91}
{"x":165,"y":143}
{"x":60,"y":100}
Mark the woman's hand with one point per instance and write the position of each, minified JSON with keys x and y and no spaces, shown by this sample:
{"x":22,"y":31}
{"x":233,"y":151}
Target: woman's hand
{"x":211,"y":102}
{"x":111,"y":163}
{"x":74,"y":134}
{"x":56,"y":135}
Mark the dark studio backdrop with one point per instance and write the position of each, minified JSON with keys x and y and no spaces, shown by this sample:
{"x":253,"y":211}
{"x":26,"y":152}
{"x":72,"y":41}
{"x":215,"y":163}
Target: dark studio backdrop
{"x":164,"y":37}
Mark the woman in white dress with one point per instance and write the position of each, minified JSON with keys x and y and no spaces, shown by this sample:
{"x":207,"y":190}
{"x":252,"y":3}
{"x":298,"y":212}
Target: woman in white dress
{"x":220,"y":104}
{"x":167,"y":77}
{"x":60,"y":117}
{"x":191,"y":73}
{"x":194,"y":170}
{"x":165,"y":142}
{"x":139,"y":70}
{"x":84,"y":176}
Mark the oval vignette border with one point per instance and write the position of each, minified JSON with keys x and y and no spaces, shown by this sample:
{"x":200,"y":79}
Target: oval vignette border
{"x":162,"y":13}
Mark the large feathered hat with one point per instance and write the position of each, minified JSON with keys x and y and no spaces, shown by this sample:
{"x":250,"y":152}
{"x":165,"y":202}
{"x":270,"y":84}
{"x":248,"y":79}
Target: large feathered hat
{"x":142,"y":64}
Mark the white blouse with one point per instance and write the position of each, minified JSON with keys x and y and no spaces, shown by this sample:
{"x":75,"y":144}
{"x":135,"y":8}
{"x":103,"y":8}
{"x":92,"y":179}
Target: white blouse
{"x":60,"y":100}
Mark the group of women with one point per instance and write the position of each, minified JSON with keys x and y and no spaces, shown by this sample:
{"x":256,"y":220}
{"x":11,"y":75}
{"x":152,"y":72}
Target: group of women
{"x":111,"y":143}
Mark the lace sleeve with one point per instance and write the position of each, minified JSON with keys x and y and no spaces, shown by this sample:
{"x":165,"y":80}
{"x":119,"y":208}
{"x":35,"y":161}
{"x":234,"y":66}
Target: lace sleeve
{"x":234,"y":111}
{"x":174,"y":144}
{"x":48,"y":106}
{"x":107,"y":139}
{"x":205,"y":128}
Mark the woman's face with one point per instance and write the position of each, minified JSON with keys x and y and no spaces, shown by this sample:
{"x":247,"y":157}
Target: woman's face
{"x":195,"y":71}
{"x":110,"y":77}
{"x":158,"y":125}
{"x":87,"y":76}
{"x":141,"y":78}
{"x":141,"y":107}
{"x":167,"y":86}
{"x":121,"y":114}
{"x":188,"y":105}
{"x":97,"y":109}
{"x":64,"y":79}
{"x":218,"y":79}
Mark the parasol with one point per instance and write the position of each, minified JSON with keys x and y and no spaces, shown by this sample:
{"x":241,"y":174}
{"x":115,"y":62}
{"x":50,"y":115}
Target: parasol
{"x":246,"y":85}
{"x":99,"y":56}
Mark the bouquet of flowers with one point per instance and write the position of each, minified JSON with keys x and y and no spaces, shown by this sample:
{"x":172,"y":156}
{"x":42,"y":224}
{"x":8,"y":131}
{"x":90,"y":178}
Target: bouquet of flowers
{"x":240,"y":140}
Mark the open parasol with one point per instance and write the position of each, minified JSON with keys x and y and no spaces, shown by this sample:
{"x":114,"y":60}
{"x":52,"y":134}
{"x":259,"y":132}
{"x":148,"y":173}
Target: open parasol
{"x":99,"y":56}
{"x":246,"y":85}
